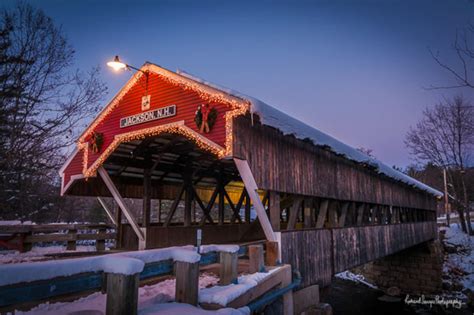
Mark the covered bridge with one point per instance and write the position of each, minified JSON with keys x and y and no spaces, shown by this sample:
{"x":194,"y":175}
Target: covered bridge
{"x":200,"y":156}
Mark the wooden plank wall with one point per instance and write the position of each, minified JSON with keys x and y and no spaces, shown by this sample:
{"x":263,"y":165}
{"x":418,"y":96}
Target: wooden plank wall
{"x":159,"y":237}
{"x":318,"y":254}
{"x":358,"y":245}
{"x":286,"y":164}
{"x":309,"y":252}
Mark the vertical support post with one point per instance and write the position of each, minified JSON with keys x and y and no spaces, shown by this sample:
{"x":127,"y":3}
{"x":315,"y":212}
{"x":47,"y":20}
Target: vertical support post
{"x":271,"y":253}
{"x":332,"y":213}
{"x":146,"y":197}
{"x":256,"y":258}
{"x":71,"y":244}
{"x":360,"y":214}
{"x":221,"y":208}
{"x":187,"y":282}
{"x":342,"y":218}
{"x":307,"y":213}
{"x":188,"y":200}
{"x":288,"y":303}
{"x":323,"y":209}
{"x":118,"y":220}
{"x":25,"y":246}
{"x":122,"y":294}
{"x":247,"y":207}
{"x":228,"y":268}
{"x":100,"y":242}
{"x":374,"y":214}
{"x":274,"y":210}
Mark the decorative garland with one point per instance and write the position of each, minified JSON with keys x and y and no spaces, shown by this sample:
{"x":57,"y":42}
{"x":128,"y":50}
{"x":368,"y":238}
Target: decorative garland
{"x":97,"y":140}
{"x":205,"y":118}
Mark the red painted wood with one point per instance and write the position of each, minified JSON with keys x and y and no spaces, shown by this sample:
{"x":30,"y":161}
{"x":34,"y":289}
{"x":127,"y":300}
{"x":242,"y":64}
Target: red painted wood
{"x":74,"y":167}
{"x":162,"y":94}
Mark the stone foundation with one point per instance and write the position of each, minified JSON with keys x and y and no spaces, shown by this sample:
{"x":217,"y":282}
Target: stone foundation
{"x":416,"y":270}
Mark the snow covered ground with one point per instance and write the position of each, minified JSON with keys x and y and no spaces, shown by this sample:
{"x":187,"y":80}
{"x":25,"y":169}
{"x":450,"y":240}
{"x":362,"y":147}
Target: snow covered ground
{"x":148,"y":297}
{"x":458,"y":269}
{"x":38,"y":253}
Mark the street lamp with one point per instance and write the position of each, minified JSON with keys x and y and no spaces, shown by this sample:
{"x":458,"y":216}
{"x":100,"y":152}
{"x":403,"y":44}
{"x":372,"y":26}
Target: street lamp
{"x":118,"y":65}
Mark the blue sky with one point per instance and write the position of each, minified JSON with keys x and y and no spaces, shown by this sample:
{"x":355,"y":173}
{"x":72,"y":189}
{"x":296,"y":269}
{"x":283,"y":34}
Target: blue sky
{"x":354,"y":69}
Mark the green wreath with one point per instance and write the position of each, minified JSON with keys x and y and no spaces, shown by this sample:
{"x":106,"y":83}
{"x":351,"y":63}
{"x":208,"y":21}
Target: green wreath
{"x":211,"y":118}
{"x":97,"y":139}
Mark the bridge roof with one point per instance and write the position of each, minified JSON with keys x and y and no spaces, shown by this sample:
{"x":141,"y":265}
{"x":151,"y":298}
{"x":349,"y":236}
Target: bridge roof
{"x":289,"y":125}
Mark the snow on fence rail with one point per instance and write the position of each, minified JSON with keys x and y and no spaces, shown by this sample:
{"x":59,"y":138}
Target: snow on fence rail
{"x":38,"y":281}
{"x":22,"y":236}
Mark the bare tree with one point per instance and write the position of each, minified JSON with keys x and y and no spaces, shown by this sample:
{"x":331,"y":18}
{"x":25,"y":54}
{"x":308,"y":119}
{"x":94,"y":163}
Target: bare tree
{"x":43,"y":101}
{"x":461,"y":71}
{"x":445,"y":138}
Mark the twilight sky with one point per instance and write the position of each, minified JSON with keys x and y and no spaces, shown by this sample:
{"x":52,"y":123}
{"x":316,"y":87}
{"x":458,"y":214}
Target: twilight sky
{"x":354,"y":69}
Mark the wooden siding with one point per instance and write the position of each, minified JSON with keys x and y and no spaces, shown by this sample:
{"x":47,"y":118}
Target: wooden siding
{"x":162,"y":94}
{"x":358,"y":245}
{"x":286,"y":164}
{"x":318,"y":254}
{"x":74,"y":167}
{"x":159,"y":237}
{"x":309,"y":252}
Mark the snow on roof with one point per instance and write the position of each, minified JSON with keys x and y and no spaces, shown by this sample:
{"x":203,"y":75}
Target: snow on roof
{"x":288,"y":125}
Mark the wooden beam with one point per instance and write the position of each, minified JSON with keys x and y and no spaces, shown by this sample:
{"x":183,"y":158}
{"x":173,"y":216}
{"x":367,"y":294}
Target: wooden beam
{"x":146,"y":211}
{"x":228,"y":268}
{"x":248,"y":207}
{"x":274,"y":209}
{"x":122,"y":294}
{"x":323,"y":209}
{"x":251,"y":186}
{"x":332,"y":214}
{"x":256,"y":258}
{"x":188,"y":198}
{"x":119,"y":200}
{"x":209,"y":206}
{"x":360,"y":214}
{"x":203,"y":208}
{"x":175,"y":204}
{"x":342,"y":218}
{"x":107,"y":210}
{"x":295,"y":208}
{"x":271,"y":253}
{"x":187,"y":282}
{"x":236,"y":215}
{"x":307,"y":213}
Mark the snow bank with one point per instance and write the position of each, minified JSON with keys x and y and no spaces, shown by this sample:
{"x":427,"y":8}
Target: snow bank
{"x":461,"y":260}
{"x":38,"y":253}
{"x":347,"y":275}
{"x":222,"y":295}
{"x":219,"y":248}
{"x":288,"y":125}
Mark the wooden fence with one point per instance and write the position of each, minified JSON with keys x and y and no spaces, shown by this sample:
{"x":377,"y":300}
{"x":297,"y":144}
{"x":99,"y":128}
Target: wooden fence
{"x":320,"y":253}
{"x":22,"y":237}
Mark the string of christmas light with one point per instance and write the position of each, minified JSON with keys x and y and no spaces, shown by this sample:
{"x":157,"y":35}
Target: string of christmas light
{"x":205,"y":92}
{"x":173,"y":128}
